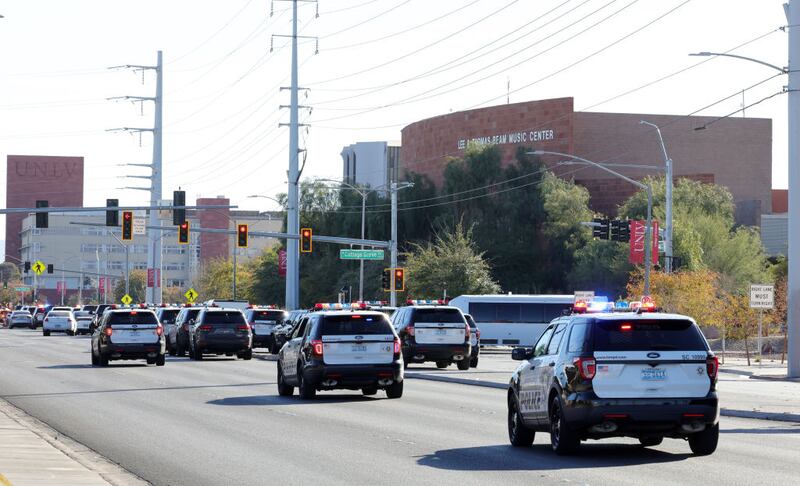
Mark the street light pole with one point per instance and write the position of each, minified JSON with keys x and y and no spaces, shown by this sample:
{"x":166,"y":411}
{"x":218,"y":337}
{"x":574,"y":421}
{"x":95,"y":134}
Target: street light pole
{"x":648,"y":236}
{"x":668,"y":183}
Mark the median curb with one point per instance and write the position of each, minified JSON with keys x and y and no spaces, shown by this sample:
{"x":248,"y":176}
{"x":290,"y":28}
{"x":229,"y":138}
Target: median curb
{"x":725,"y":412}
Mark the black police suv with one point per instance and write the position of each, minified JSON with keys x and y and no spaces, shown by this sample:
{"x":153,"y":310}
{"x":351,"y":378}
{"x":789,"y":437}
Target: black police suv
{"x":220,"y":331}
{"x":433,"y":333}
{"x":128,"y":334}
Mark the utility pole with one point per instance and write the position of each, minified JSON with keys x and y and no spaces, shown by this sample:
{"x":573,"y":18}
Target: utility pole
{"x":793,"y":287}
{"x":668,"y":181}
{"x":235,"y":252}
{"x":153,"y":293}
{"x":394,"y":187}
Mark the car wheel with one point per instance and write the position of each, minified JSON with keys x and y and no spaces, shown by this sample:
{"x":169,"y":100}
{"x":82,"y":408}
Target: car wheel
{"x":181,"y":349}
{"x":95,"y":361}
{"x":307,"y":390}
{"x":247,"y":355}
{"x":473,"y":363}
{"x":372,"y":390}
{"x":395,"y":390}
{"x":103,"y":360}
{"x":463,"y":365}
{"x":563,"y":439}
{"x":650,"y":441}
{"x":150,"y":361}
{"x":284,"y":389}
{"x":518,"y":434}
{"x":161,"y":360}
{"x":705,"y":442}
{"x":196,"y":354}
{"x":45,"y":333}
{"x":442,"y":364}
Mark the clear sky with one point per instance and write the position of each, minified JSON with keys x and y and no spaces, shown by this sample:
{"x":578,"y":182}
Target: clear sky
{"x":381,"y":65}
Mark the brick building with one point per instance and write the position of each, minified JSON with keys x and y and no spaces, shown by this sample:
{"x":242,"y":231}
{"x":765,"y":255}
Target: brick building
{"x":733,"y":152}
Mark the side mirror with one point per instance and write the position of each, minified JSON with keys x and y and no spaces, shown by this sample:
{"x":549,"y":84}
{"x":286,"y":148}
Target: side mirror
{"x":521,"y":354}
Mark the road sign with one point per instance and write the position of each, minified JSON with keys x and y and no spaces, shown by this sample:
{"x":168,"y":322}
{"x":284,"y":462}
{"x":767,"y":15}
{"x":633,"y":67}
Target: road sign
{"x":346,"y":254}
{"x":22,"y":289}
{"x":762,"y":296}
{"x":584,"y":295}
{"x":39,"y":267}
{"x":139,"y":226}
{"x":126,"y":299}
{"x":190,"y":295}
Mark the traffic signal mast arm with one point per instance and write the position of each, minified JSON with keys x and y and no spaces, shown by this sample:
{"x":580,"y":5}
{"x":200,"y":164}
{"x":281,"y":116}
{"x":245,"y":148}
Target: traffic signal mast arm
{"x":103,"y":209}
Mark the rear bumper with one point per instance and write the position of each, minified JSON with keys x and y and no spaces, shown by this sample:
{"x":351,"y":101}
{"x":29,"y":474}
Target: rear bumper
{"x":133,"y":351}
{"x":640,"y":417}
{"x":351,"y":376}
{"x":209,"y":344}
{"x":266,"y":340}
{"x":435,"y":352}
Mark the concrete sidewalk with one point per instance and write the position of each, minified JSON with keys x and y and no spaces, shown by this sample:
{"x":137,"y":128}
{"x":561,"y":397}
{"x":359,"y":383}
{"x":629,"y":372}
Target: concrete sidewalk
{"x":31,"y":453}
{"x":745,"y":391}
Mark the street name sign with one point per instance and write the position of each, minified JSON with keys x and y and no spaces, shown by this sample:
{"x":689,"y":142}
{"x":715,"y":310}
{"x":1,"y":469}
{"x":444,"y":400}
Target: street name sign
{"x":22,"y":289}
{"x":347,"y":254}
{"x":139,"y":226}
{"x":762,"y":296}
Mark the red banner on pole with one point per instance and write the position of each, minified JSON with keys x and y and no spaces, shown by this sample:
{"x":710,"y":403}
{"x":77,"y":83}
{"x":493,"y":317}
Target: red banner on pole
{"x":101,"y":284}
{"x":282,"y":263}
{"x":638,"y":237}
{"x":151,"y":277}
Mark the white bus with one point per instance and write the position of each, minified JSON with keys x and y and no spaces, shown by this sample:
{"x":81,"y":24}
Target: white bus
{"x":512,"y":320}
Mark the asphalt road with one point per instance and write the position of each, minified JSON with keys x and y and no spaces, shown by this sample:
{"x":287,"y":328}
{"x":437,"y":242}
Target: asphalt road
{"x":220,"y":421}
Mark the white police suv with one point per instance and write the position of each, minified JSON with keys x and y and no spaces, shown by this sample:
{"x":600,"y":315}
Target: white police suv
{"x":641,"y":374}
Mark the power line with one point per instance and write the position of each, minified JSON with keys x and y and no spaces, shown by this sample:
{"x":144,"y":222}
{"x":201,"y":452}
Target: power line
{"x":359,"y":24}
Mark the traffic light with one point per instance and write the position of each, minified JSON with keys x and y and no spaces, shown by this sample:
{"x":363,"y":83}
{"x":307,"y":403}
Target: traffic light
{"x":614,"y":230}
{"x":305,"y":240}
{"x":242,"y":236}
{"x":399,"y":279}
{"x":127,"y":225}
{"x":600,"y":228}
{"x":625,"y":231}
{"x":386,"y":280}
{"x":41,"y":218}
{"x":112,"y":216}
{"x":178,"y":215}
{"x":27,"y":267}
{"x":183,"y":233}
{"x":49,"y":268}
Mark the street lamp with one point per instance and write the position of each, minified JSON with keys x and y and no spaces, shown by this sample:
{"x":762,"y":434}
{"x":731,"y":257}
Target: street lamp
{"x":648,"y":238}
{"x":792,"y":10}
{"x":668,"y":183}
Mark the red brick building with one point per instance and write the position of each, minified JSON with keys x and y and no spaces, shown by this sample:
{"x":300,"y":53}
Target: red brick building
{"x":213,"y":245}
{"x":733,"y":152}
{"x":58,"y":180}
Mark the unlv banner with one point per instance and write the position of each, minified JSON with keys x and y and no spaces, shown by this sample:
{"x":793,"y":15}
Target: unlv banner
{"x":282,"y":263}
{"x":638,"y":236}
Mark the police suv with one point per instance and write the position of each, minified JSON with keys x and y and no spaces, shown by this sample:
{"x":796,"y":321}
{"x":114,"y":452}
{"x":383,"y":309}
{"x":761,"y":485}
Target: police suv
{"x":641,"y":374}
{"x":128,"y":334}
{"x":341,"y":349}
{"x":431,"y":331}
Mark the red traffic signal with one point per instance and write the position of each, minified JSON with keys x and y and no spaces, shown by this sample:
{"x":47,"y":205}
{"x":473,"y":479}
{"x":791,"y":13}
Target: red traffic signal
{"x":183,"y":233}
{"x":242,"y":236}
{"x":306,"y":234}
{"x":399,"y":279}
{"x":127,"y":225}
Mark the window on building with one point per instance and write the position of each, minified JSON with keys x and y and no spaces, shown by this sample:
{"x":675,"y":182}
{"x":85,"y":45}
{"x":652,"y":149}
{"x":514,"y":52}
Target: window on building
{"x":90,"y":247}
{"x":93,"y":231}
{"x":174,"y":282}
{"x":115,"y":265}
{"x":140,"y":265}
{"x":174,"y":266}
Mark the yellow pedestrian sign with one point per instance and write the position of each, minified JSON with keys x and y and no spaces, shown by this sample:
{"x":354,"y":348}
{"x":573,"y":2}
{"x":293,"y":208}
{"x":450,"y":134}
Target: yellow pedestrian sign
{"x":126,"y":299}
{"x":39,"y":267}
{"x":190,"y":295}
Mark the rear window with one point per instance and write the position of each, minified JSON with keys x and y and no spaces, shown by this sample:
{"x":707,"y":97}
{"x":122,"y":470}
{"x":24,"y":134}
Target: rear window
{"x":58,"y":313}
{"x":349,"y":325}
{"x":470,"y":321}
{"x":168,"y":315}
{"x":223,"y":317}
{"x":134,"y":317}
{"x":438,"y":315}
{"x":268,"y":316}
{"x":647,"y":335}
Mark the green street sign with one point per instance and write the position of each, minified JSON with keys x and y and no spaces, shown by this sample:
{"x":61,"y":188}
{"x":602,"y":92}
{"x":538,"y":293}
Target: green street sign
{"x":22,"y":289}
{"x":361,"y":254}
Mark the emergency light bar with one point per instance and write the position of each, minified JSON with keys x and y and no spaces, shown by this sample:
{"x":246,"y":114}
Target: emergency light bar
{"x":337,"y":306}
{"x":426,"y":302}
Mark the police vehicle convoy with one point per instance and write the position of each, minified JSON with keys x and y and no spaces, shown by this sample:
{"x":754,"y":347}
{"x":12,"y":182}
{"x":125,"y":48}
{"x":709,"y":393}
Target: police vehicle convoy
{"x":640,"y":373}
{"x":341,"y":349}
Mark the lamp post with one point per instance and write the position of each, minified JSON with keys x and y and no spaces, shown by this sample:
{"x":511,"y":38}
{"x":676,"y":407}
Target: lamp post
{"x":648,"y":237}
{"x":792,"y":10}
{"x":668,"y":184}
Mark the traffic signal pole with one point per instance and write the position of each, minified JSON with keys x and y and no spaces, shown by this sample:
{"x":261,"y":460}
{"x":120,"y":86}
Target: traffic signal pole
{"x":154,"y":242}
{"x":393,"y":243}
{"x":793,"y":284}
{"x":293,"y":200}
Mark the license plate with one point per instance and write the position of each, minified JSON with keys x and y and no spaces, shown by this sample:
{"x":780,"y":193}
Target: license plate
{"x":359,"y":348}
{"x":224,"y":331}
{"x":654,"y":374}
{"x":441,"y":332}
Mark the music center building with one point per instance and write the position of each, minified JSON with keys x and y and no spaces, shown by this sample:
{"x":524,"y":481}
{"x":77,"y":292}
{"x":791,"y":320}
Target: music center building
{"x":732,"y":152}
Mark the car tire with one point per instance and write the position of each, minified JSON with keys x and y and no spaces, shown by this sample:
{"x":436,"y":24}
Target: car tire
{"x":161,"y":360}
{"x":307,"y":391}
{"x":95,"y":361}
{"x":650,"y":441}
{"x":518,"y":434}
{"x":284,"y":389}
{"x":395,"y":390}
{"x":442,"y":364}
{"x":563,"y":440}
{"x":150,"y":361}
{"x":473,"y":363}
{"x":463,"y":365}
{"x":372,"y":390}
{"x":103,"y":360}
{"x":196,"y":354}
{"x":246,"y":355}
{"x":45,"y":333}
{"x":181,"y":349}
{"x":704,"y":443}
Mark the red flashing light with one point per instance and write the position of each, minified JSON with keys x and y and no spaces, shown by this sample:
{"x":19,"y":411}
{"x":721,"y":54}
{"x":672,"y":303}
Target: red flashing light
{"x":356,"y":316}
{"x":317,"y":306}
{"x":580,"y":307}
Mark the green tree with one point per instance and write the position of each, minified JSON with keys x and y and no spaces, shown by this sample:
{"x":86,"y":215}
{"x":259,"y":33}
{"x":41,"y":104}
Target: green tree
{"x":136,"y":286}
{"x":216,"y":280}
{"x":267,"y":286}
{"x":601,"y":266}
{"x":451,"y":262}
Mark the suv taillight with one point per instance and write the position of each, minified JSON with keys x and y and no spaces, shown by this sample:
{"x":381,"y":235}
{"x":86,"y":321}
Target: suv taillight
{"x":397,"y":348}
{"x":159,"y":330}
{"x":205,"y":327}
{"x":316,"y":348}
{"x":466,"y":333}
{"x":243,"y":327}
{"x":478,"y":333}
{"x":586,"y":367}
{"x":108,"y":331}
{"x":410,"y":329}
{"x":712,"y":366}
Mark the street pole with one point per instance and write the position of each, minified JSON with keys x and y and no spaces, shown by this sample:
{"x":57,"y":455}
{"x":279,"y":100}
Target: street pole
{"x":127,"y":270}
{"x":293,"y":202}
{"x":80,"y":290}
{"x":793,"y":286}
{"x":668,"y":182}
{"x":63,"y":285}
{"x":153,"y":294}
{"x":97,"y":257}
{"x":361,"y":266}
{"x":235,"y":252}
{"x":393,"y":243}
